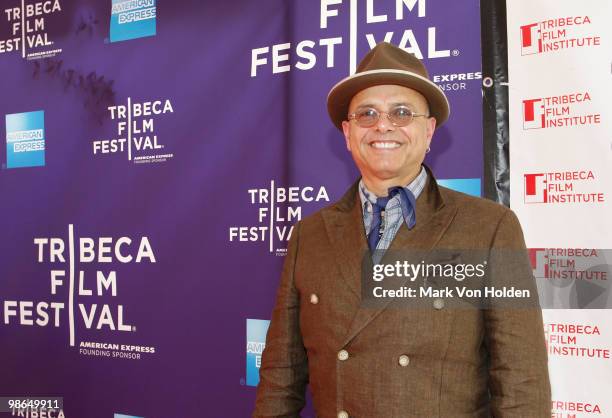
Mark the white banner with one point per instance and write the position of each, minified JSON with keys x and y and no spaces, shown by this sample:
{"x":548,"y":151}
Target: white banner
{"x":560,"y":85}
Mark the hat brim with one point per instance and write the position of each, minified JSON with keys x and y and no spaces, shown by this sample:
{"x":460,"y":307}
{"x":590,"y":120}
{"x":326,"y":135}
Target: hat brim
{"x":341,"y":94}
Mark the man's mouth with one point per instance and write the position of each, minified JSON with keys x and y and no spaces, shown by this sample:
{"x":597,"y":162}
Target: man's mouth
{"x":385,"y":144}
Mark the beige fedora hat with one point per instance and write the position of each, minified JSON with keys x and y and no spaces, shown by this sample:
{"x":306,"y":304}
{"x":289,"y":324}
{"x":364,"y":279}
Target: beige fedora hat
{"x":387,"y":64}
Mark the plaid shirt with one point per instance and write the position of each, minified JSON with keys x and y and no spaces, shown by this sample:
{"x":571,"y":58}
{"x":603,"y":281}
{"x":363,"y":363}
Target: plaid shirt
{"x":392,"y":219}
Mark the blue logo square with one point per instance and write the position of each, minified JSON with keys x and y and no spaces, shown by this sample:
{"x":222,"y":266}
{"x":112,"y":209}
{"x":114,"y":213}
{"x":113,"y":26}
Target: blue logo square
{"x":25,"y":139}
{"x":131,"y":19}
{"x":256,"y":342}
{"x":467,"y":186}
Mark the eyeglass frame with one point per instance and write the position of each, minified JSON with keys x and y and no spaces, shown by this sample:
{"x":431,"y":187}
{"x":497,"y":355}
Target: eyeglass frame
{"x":353,"y":116}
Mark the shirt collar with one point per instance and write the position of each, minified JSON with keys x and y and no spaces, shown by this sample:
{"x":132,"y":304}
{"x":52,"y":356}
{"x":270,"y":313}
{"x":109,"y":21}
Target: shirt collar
{"x":416,"y":186}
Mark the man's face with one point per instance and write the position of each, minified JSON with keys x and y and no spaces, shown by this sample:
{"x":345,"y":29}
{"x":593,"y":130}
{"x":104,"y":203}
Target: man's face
{"x":384,"y":151}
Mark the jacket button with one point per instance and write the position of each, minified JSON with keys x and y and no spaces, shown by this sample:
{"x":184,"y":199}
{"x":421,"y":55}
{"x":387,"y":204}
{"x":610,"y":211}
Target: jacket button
{"x":404,"y":360}
{"x":314,"y":299}
{"x":438,"y":304}
{"x":343,"y":355}
{"x":343,"y":414}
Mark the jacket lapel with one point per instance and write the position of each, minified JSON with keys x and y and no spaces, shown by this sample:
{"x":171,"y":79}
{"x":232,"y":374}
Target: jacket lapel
{"x":344,"y":225}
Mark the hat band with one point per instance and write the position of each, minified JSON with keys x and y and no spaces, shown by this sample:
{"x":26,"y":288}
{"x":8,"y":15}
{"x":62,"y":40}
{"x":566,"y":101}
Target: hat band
{"x":387,"y":71}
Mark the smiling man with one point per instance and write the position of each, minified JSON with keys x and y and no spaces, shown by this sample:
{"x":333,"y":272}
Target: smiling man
{"x":376,"y":362}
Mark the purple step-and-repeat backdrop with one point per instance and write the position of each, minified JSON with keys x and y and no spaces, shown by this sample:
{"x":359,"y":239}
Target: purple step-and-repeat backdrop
{"x":155,"y":155}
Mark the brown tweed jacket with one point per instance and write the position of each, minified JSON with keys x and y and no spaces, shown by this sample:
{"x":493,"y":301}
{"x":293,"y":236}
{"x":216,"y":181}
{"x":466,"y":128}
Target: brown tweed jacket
{"x":378,"y":362}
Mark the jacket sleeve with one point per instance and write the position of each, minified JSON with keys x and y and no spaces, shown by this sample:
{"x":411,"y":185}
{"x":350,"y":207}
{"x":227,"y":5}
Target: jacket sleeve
{"x":518,"y":365}
{"x":284,"y":365}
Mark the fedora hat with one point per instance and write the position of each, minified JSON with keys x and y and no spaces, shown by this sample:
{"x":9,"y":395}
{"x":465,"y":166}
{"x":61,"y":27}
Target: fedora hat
{"x":387,"y":64}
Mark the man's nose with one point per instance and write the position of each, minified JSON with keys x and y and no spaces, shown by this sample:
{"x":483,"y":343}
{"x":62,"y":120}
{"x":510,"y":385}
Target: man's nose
{"x":384,"y":123}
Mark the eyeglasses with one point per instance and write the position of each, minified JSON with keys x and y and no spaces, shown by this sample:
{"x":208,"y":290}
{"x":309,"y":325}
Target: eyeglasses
{"x":399,"y":116}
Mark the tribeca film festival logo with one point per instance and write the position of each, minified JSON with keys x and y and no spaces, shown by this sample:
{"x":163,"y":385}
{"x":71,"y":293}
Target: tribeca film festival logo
{"x":25,"y":139}
{"x":557,"y":34}
{"x":568,"y":409}
{"x":575,"y":340}
{"x":559,"y":111}
{"x":30,"y":412}
{"x":311,"y":52}
{"x":132,"y":19}
{"x":82,"y":296}
{"x":136,"y":131}
{"x":51,"y":413}
{"x":563,"y":187}
{"x":29,"y":30}
{"x":278,"y":209}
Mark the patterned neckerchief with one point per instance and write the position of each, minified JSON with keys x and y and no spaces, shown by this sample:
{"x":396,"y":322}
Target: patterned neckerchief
{"x":393,"y":218}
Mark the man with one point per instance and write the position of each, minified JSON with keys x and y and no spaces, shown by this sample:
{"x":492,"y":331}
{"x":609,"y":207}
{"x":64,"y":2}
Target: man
{"x":380,"y":362}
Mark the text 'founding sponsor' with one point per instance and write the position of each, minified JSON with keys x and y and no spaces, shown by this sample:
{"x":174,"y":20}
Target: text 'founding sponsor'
{"x":278,"y":57}
{"x":29,"y":31}
{"x":81,"y":287}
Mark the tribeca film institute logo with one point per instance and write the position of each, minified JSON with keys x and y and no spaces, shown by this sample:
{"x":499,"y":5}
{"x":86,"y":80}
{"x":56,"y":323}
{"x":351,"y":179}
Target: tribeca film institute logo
{"x":563,"y":187}
{"x":132,"y":19}
{"x":588,"y":264}
{"x":83,"y":290}
{"x":569,"y":408}
{"x":559,"y":111}
{"x":557,"y":34}
{"x":25,"y":139}
{"x":136,"y":136}
{"x":28,"y":29}
{"x":572,"y":278}
{"x":278,"y":208}
{"x":576,"y":340}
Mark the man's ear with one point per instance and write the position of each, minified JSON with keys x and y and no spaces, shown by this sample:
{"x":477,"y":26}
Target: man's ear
{"x":431,"y":127}
{"x":346,"y":129}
